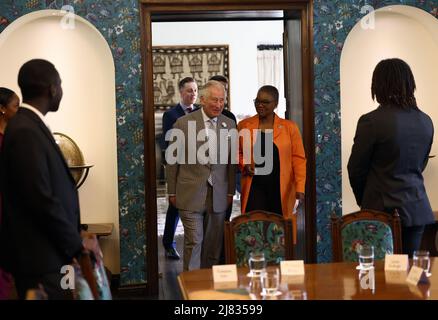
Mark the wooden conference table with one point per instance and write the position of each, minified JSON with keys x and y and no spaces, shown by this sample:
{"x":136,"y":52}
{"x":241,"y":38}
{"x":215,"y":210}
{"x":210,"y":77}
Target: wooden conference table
{"x":334,"y":281}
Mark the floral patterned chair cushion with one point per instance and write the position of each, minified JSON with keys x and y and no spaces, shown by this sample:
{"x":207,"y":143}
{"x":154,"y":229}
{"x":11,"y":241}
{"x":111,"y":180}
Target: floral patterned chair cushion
{"x":359,"y":233}
{"x":257,"y":236}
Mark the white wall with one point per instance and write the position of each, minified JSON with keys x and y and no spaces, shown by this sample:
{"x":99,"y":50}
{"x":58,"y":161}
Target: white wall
{"x":400,"y":31}
{"x":242,"y":38}
{"x":88,"y":110}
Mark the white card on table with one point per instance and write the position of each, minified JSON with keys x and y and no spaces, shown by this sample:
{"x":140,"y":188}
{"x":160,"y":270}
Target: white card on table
{"x":395,"y":277}
{"x":416,"y":275}
{"x":292,"y":267}
{"x":225,"y":273}
{"x":396,"y":262}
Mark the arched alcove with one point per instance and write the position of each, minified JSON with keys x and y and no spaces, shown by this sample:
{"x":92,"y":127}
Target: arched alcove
{"x":88,"y":109}
{"x":399,"y":31}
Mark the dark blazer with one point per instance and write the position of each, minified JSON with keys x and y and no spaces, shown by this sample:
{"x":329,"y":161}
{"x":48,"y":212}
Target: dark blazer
{"x":389,"y":154}
{"x":41,"y":220}
{"x":169,"y":118}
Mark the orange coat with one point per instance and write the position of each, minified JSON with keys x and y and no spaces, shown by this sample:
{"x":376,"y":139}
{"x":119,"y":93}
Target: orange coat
{"x":288,"y":140}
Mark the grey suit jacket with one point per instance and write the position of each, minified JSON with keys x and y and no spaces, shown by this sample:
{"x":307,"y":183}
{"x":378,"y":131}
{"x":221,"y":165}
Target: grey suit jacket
{"x":189,"y":181}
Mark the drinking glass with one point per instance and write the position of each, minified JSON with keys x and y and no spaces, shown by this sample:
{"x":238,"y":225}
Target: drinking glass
{"x":257,"y":264}
{"x":270,"y":282}
{"x":421,"y":259}
{"x":366,"y":257}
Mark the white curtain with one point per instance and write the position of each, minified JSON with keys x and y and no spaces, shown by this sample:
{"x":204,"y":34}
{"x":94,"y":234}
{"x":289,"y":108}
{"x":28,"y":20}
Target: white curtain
{"x":270,"y":71}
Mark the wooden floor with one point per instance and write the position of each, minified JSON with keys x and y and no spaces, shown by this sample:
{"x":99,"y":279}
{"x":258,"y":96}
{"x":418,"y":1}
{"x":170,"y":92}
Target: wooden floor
{"x":169,"y":270}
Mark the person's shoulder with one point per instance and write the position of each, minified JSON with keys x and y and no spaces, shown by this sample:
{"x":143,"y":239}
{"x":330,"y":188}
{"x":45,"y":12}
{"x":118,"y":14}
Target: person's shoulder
{"x":290,"y":124}
{"x":287,"y":122}
{"x":424,"y":114}
{"x":373,"y":114}
{"x":247,"y":121}
{"x":23,"y":120}
{"x":172,"y":110}
{"x":185,"y":118}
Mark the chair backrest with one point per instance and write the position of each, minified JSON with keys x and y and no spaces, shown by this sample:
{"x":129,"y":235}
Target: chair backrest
{"x":365,"y":227}
{"x":258,"y":231}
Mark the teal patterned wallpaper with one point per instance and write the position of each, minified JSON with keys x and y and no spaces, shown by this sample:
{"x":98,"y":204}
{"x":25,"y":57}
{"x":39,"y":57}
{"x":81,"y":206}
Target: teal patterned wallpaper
{"x":118,"y":21}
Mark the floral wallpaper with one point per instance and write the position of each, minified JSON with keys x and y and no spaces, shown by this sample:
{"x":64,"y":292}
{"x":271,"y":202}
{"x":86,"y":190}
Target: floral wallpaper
{"x":118,"y":21}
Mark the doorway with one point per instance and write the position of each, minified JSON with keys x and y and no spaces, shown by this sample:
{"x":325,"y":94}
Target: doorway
{"x":296,"y":18}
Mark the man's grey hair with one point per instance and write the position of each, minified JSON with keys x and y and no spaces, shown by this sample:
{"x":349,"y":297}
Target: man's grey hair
{"x":205,"y":91}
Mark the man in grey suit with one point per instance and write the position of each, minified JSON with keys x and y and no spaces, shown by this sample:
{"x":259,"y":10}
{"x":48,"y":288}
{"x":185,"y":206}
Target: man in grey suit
{"x":201,"y":187}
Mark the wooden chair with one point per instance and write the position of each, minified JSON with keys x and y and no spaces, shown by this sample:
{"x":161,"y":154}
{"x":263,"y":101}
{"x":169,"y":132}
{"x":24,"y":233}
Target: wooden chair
{"x":380,"y":229}
{"x":258,"y":231}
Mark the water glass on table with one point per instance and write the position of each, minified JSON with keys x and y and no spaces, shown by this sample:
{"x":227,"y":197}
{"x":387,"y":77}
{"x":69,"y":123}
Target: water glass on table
{"x":421,"y":259}
{"x":257,"y":264}
{"x":270,"y":282}
{"x":366,"y":257}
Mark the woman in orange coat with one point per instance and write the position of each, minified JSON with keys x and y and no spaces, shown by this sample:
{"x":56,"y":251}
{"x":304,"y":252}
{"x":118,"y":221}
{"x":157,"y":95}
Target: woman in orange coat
{"x":277,"y":191}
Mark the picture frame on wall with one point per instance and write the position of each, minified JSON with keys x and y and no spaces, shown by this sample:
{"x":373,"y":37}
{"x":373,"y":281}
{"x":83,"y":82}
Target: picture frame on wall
{"x":173,"y":63}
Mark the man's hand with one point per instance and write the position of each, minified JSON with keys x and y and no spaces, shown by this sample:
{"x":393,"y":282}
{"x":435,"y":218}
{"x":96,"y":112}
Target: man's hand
{"x":172,"y":200}
{"x":248,"y":170}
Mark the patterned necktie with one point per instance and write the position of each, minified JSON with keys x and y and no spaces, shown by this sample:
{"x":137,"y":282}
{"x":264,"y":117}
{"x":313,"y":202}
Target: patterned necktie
{"x":189,"y":109}
{"x":212,"y":148}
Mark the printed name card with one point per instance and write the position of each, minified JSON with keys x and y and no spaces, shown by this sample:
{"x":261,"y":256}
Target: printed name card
{"x":292,"y":268}
{"x":395,"y":277}
{"x":225,"y":273}
{"x":396,"y":262}
{"x":416,"y":275}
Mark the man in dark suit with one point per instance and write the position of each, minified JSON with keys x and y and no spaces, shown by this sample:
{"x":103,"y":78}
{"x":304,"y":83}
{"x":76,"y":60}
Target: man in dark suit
{"x":188,"y":90}
{"x":390,"y":152}
{"x":40,"y":230}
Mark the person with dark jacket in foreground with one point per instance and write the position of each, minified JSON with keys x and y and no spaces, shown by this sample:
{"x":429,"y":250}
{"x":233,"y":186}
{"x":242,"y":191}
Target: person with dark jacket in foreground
{"x":390,"y":152}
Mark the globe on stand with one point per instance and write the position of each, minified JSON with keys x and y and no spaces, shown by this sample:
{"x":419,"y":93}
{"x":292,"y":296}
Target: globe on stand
{"x":74,"y":158}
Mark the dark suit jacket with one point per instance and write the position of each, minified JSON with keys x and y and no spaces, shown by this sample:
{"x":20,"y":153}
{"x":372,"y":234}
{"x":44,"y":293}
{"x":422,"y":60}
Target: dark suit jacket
{"x":40,"y":229}
{"x":389,"y":154}
{"x":169,"y":118}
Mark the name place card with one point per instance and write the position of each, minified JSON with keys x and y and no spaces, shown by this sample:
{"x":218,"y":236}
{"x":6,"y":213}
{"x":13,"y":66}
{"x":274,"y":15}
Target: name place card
{"x":225,"y":273}
{"x":395,"y":277}
{"x":396,"y":262}
{"x":416,"y":275}
{"x":292,"y":268}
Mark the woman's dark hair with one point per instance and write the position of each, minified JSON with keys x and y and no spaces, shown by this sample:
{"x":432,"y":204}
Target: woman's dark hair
{"x":394,"y":84}
{"x":5,"y":96}
{"x":272,"y":91}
